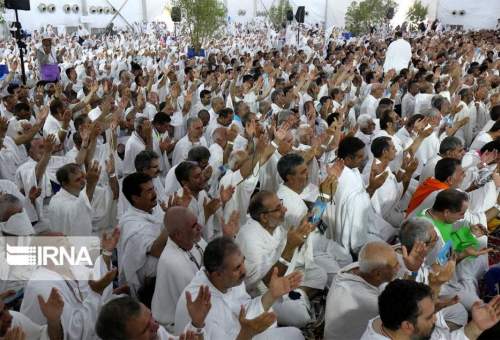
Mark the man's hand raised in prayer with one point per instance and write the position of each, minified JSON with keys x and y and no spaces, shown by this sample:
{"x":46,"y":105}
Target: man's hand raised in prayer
{"x":484,"y":316}
{"x":232,"y":226}
{"x":199,"y":308}
{"x":413,"y":260}
{"x":52,"y":308}
{"x":226,"y":194}
{"x":98,"y":286}
{"x":34,"y":193}
{"x":14,"y":333}
{"x":279,"y":286}
{"x":210,"y":207}
{"x":297,"y":236}
{"x":334,"y":171}
{"x":110,"y":240}
{"x":252,"y":327}
{"x":442,"y":274}
{"x":378,"y":175}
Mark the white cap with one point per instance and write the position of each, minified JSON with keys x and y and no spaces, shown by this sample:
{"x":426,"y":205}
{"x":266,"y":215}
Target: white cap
{"x":18,"y":224}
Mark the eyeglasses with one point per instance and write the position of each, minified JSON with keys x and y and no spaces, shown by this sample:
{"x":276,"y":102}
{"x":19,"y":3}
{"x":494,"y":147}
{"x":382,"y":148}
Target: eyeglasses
{"x":274,"y":210}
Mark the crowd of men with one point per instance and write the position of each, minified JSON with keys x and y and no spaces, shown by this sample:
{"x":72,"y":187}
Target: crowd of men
{"x":270,"y":190}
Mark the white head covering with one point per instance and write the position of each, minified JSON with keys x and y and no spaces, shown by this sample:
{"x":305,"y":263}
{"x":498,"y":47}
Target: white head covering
{"x":18,"y":224}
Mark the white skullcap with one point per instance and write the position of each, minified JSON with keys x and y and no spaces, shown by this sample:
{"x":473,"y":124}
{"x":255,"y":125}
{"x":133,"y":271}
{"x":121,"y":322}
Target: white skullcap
{"x":364,"y":119}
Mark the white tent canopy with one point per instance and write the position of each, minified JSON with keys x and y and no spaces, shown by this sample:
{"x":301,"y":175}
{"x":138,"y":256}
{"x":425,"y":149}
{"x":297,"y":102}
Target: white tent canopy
{"x":476,"y":14}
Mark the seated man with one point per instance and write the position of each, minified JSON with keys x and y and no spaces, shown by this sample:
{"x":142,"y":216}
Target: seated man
{"x":125,"y":318}
{"x":178,"y":263}
{"x":266,"y":245}
{"x":352,"y":299}
{"x":407,"y":311}
{"x":472,"y":260}
{"x":224,"y":273}
{"x":142,"y":235}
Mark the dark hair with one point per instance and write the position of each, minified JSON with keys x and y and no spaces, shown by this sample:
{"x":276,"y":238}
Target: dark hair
{"x":113,"y":318}
{"x":21,"y":107}
{"x":183,"y":170}
{"x":161,"y":118}
{"x":349,"y":146}
{"x":379,"y":145}
{"x":495,"y":127}
{"x":399,"y":302}
{"x":225,"y":112}
{"x":491,"y":146}
{"x":81,"y":119}
{"x":62,"y":174}
{"x":287,"y":165}
{"x":495,"y":112}
{"x":198,"y":154}
{"x":256,"y":206}
{"x":203,"y":93}
{"x":55,"y":106}
{"x":216,"y":251}
{"x":131,"y":185}
{"x":385,"y":119}
{"x":143,"y":160}
{"x":445,"y":168}
{"x":450,"y":199}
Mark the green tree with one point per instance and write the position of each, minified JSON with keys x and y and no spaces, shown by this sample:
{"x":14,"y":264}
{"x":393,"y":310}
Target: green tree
{"x":201,"y":19}
{"x":417,"y":12}
{"x":360,"y":16}
{"x":277,"y":14}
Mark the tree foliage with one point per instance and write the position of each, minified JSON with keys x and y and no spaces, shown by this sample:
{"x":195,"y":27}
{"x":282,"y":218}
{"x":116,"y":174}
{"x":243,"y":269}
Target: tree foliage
{"x":201,"y":19}
{"x":360,"y":16}
{"x":417,"y":12}
{"x":277,"y":14}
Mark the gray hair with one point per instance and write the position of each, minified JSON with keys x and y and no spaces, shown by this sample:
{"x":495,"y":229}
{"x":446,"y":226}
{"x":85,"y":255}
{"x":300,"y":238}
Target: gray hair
{"x":139,"y":122}
{"x":413,"y":230}
{"x":191,"y":121}
{"x":364,"y":120}
{"x":449,"y":143}
{"x":7,"y":202}
{"x":369,"y":260}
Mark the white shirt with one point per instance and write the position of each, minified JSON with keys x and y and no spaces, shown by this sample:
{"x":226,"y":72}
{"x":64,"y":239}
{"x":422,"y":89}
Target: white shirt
{"x":70,"y":214}
{"x":176,"y":268}
{"x":139,"y":230}
{"x":350,"y":303}
{"x":369,"y":106}
{"x":32,"y":330}
{"x":182,"y":148}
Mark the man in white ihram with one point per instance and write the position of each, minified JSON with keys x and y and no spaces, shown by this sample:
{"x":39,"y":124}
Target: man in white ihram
{"x":232,"y":308}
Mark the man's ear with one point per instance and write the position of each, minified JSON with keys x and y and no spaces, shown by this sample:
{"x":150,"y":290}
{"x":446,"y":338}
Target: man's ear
{"x":407,"y":327}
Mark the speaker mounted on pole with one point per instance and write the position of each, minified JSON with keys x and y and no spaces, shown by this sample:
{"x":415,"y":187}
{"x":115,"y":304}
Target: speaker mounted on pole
{"x":289,"y":15}
{"x":22,"y":5}
{"x":176,"y":14}
{"x":301,"y":13}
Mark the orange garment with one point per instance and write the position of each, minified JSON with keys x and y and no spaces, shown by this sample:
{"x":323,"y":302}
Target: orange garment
{"x":425,"y":189}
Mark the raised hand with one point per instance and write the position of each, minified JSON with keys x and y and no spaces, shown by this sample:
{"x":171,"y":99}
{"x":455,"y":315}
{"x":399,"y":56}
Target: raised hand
{"x":279,"y":286}
{"x":98,"y":286}
{"x":14,"y":333}
{"x":34,"y":193}
{"x":49,"y":143}
{"x":232,"y":227}
{"x":52,"y":308}
{"x":42,"y":114}
{"x":207,"y":172}
{"x":488,"y":156}
{"x":252,"y":327}
{"x":297,"y":236}
{"x":4,"y":124}
{"x":110,"y":165}
{"x":210,"y":207}
{"x":442,"y":274}
{"x":413,"y":261}
{"x":377,"y":178}
{"x":199,"y":308}
{"x":485,"y":316}
{"x":226,"y":194}
{"x":93,"y":173}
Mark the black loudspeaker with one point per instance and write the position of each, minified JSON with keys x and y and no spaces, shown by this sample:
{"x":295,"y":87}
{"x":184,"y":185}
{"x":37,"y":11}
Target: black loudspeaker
{"x":289,"y":15}
{"x":23,"y":5}
{"x":301,"y":12}
{"x":390,"y":13}
{"x":176,"y":14}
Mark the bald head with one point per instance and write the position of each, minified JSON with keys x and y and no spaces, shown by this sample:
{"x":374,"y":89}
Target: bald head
{"x":375,"y":255}
{"x":175,"y":218}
